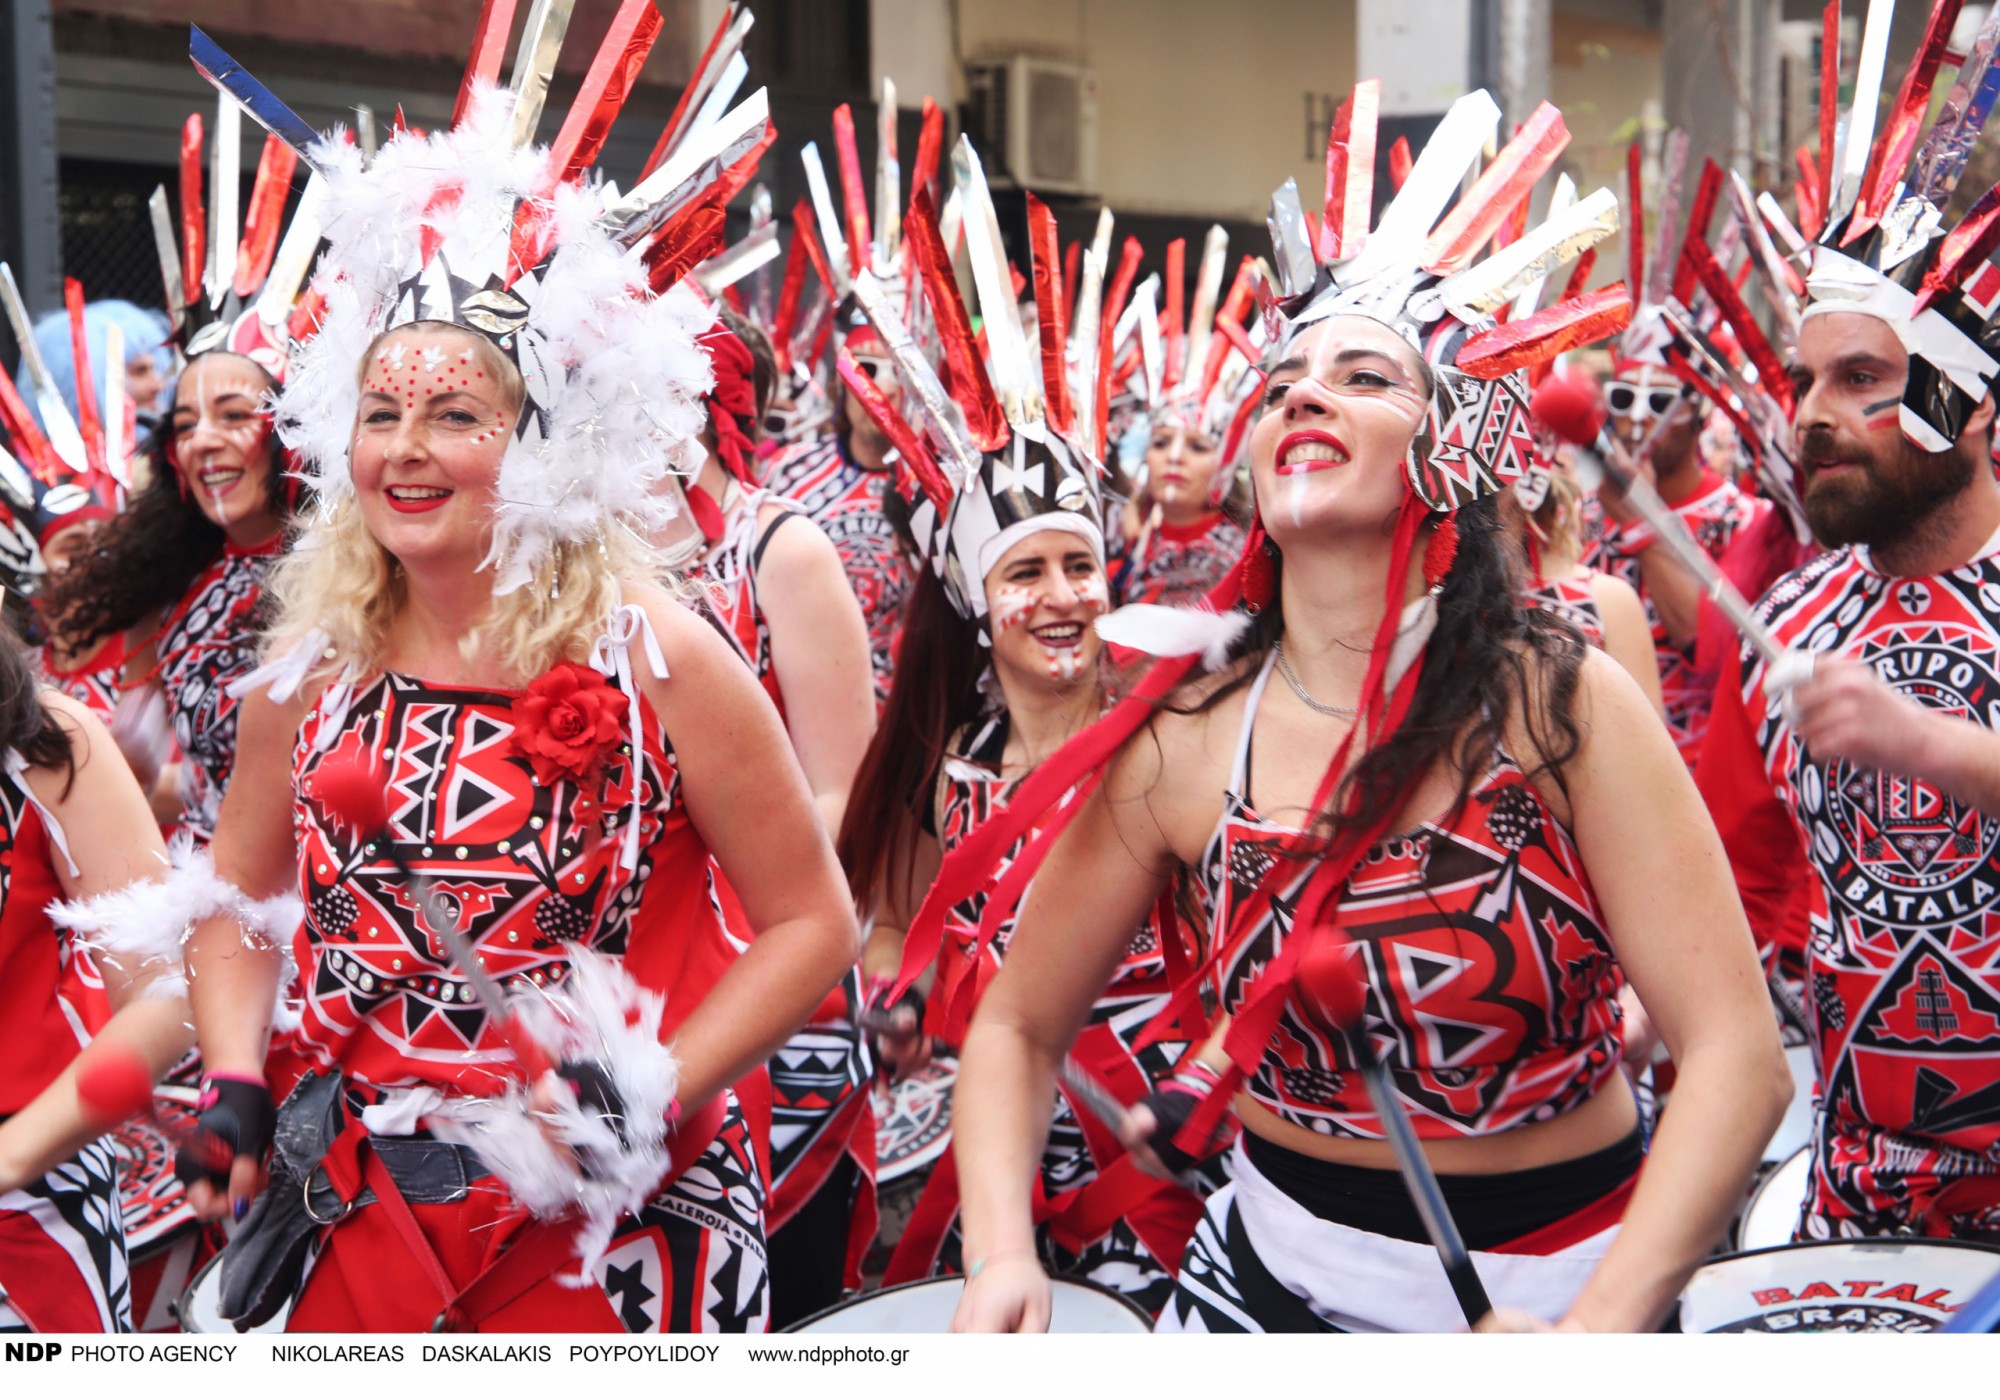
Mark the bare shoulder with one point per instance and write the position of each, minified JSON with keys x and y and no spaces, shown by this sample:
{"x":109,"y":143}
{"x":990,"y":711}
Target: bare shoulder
{"x":798,"y":550}
{"x":702,"y":671}
{"x":1612,"y":593}
{"x":1176,"y":766}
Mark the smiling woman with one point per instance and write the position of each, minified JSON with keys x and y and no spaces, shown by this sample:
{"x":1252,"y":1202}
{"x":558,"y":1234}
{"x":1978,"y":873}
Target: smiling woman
{"x":180,"y":574}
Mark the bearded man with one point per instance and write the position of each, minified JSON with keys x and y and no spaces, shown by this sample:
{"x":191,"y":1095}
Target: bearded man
{"x":1862,"y":806}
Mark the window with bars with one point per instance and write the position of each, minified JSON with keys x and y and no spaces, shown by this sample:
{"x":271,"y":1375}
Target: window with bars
{"x":816,"y":48}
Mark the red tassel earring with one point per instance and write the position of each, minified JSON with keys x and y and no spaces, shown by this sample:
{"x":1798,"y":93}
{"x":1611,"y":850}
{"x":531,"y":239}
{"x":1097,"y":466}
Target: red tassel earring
{"x":1442,"y":551}
{"x":1257,"y":571}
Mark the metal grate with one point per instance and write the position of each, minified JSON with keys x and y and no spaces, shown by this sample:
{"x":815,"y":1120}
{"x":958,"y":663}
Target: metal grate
{"x":107,"y":236}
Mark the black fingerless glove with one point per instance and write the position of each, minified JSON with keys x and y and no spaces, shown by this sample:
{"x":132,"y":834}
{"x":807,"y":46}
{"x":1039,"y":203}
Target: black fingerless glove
{"x":236,"y":1119}
{"x":597,"y":1094}
{"x":1172,"y":1102}
{"x":879,"y":1018}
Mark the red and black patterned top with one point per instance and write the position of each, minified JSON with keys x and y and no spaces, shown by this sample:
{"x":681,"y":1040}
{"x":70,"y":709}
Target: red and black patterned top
{"x":532,"y":868}
{"x":1713,"y":513}
{"x":1573,"y":599}
{"x":210,"y":641}
{"x":1903,"y":958}
{"x":1492,"y":989}
{"x":727,"y":578}
{"x":35,"y":956}
{"x":846,"y":501}
{"x":95,"y":687}
{"x":969,"y":790}
{"x":1179,"y":564}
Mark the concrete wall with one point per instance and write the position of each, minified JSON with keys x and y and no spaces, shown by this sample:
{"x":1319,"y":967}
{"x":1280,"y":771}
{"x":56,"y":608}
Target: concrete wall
{"x":1203,"y":107}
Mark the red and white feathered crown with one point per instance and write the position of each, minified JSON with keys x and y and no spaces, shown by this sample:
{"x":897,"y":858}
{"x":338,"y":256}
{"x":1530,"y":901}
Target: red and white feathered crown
{"x":575,"y":282}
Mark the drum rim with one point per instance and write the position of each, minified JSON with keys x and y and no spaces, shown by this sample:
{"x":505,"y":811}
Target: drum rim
{"x":874,"y":1293}
{"x":1757,"y":1194}
{"x":1863,"y":1242}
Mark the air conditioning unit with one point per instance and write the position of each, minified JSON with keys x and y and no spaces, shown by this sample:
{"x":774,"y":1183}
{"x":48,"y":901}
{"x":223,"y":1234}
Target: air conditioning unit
{"x":1042,"y":116}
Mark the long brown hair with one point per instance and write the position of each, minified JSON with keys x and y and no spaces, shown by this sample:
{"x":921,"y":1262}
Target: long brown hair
{"x":936,"y":690}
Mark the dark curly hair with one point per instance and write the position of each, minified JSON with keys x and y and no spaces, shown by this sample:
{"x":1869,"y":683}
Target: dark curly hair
{"x":1476,"y":670}
{"x":27,"y":726}
{"x":143,"y":560}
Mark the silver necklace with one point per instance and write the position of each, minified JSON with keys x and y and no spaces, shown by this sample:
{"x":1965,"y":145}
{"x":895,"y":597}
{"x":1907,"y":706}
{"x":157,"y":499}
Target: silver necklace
{"x":1299,"y":689}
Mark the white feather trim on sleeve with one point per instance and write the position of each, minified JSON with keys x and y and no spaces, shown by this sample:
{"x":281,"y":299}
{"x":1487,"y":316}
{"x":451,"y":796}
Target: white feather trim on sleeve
{"x":601,"y":1015}
{"x":145,"y":925}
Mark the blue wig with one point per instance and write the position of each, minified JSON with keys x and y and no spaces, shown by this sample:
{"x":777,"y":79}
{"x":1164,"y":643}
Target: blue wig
{"x":144,"y":331}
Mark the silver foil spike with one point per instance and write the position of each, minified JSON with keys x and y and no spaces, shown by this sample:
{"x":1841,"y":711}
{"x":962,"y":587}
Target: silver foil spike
{"x":1291,"y":241}
{"x":734,"y":74}
{"x":832,"y":237}
{"x":259,"y":101}
{"x":1667,"y":240}
{"x":1487,"y":285}
{"x":738,"y":261}
{"x":1941,"y":159}
{"x":692,"y":167}
{"x":170,"y":258}
{"x":1769,"y":263}
{"x":1559,"y":203}
{"x":58,"y":426}
{"x":535,"y":63}
{"x":364,"y":132}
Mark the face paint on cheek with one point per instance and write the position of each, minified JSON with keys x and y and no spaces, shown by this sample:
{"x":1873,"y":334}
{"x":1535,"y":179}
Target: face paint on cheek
{"x":1883,"y":415}
{"x":1011,"y":605}
{"x":1094,"y":594}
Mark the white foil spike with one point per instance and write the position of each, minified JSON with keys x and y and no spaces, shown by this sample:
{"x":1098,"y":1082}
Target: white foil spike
{"x":888,"y":181}
{"x":1434,"y":180}
{"x":719,"y":97}
{"x":1100,"y":241}
{"x":1201,"y":316}
{"x":1152,"y":358}
{"x":225,"y":182}
{"x":295,"y":255}
{"x":1083,"y":345}
{"x":1014,"y":378}
{"x":951,"y":222}
{"x":652,"y":200}
{"x":1861,"y":115}
{"x":831,"y":237}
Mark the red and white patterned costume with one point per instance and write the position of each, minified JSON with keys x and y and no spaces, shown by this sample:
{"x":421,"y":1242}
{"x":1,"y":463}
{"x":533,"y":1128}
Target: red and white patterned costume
{"x":1713,"y":513}
{"x":1903,"y":955}
{"x":845,"y":500}
{"x":1098,"y":1216}
{"x":1179,"y":564}
{"x":62,"y":1244}
{"x":819,"y":1080}
{"x":533,"y":870}
{"x":1572,"y":599}
{"x":210,"y":641}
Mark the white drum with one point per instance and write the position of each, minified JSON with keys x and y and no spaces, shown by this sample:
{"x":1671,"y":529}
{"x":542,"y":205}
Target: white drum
{"x":200,"y":1306}
{"x":1795,"y":1128}
{"x":1884,"y":1285}
{"x":927,"y":1306}
{"x":1772,"y":1217}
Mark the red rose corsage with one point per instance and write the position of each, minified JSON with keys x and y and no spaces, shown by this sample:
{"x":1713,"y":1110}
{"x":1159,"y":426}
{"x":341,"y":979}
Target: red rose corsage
{"x":566,"y":723}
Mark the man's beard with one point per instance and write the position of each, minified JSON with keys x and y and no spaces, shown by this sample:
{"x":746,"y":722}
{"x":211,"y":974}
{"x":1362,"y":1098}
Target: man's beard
{"x":1885,"y":497}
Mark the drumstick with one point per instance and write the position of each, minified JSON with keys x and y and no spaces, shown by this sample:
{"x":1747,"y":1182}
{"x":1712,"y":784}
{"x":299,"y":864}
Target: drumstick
{"x":355,"y":793}
{"x":1422,"y":1184}
{"x":1571,"y":414}
{"x":1092,"y":1093}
